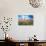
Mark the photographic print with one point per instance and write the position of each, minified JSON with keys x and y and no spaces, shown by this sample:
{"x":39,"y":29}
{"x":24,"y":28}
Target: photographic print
{"x":25,"y":19}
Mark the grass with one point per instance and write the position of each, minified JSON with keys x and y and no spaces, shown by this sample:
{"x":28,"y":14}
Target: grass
{"x":25,"y":23}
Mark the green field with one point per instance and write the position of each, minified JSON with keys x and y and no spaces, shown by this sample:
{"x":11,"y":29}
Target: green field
{"x":26,"y":23}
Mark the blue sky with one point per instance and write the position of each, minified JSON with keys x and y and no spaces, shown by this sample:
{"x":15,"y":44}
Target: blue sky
{"x":25,"y":16}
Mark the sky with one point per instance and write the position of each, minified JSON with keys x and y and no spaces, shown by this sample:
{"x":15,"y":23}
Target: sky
{"x":25,"y":16}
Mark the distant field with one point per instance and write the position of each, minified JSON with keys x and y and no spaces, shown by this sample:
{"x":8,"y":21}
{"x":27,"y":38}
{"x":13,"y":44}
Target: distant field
{"x":25,"y":22}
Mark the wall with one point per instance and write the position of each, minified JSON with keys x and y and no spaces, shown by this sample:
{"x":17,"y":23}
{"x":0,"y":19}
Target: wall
{"x":11,"y":8}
